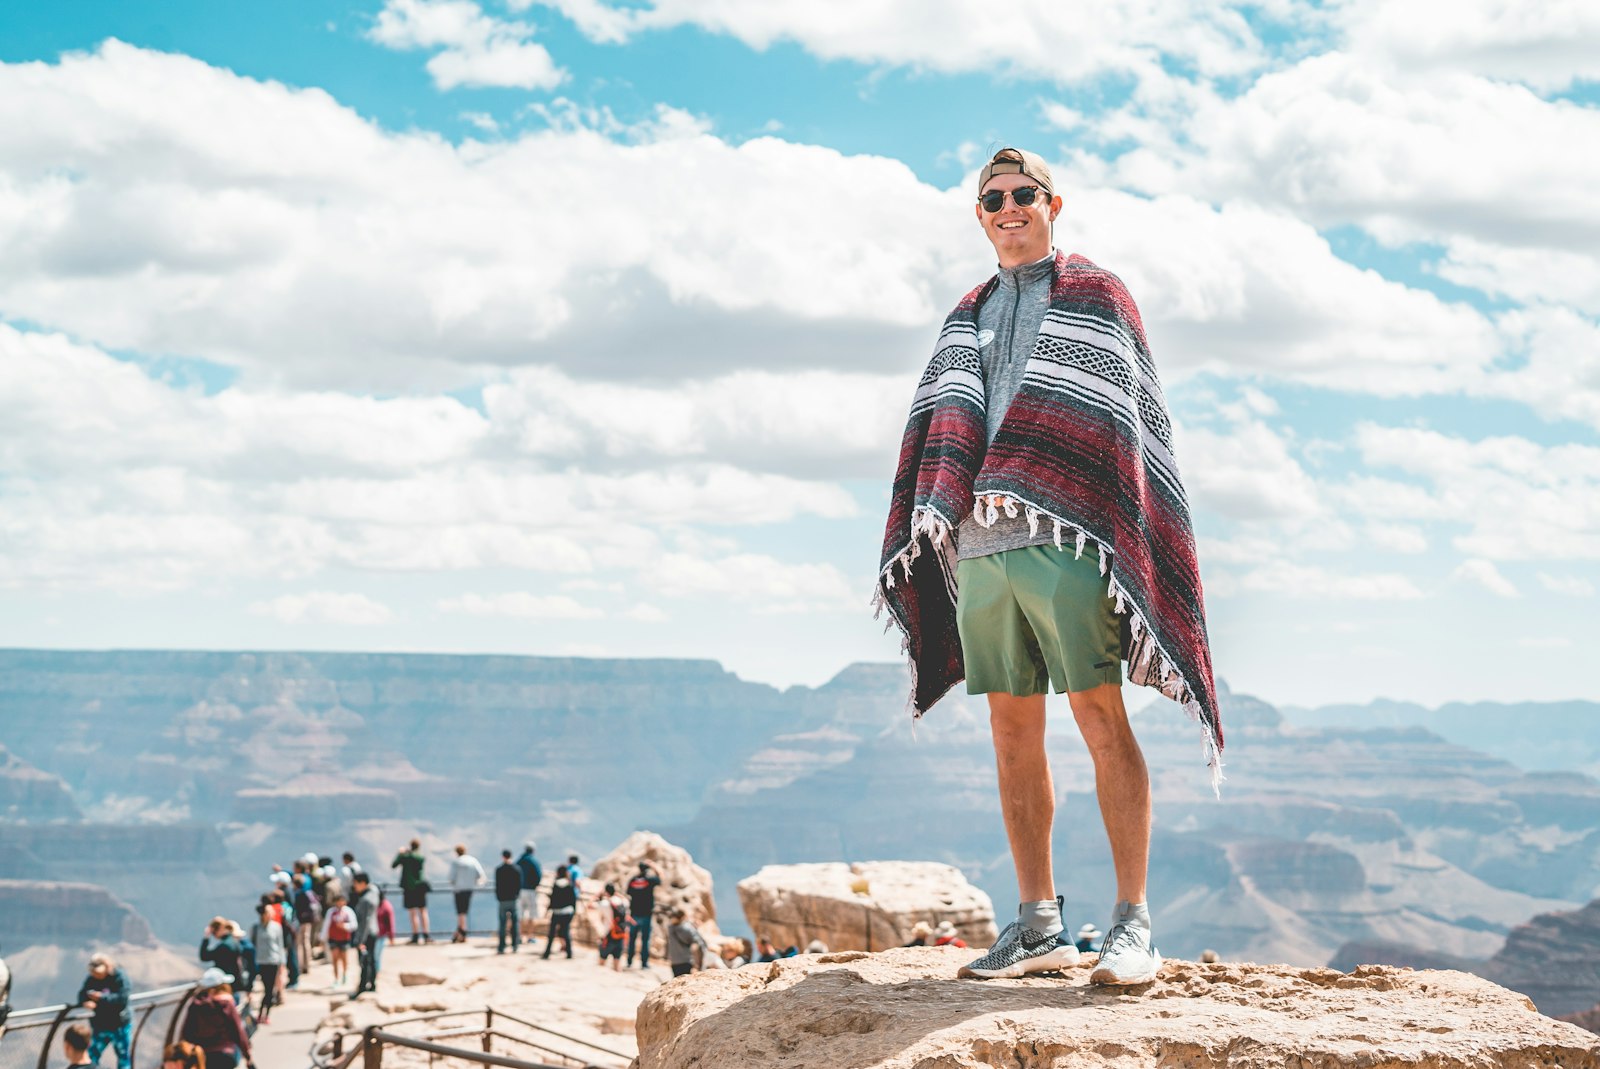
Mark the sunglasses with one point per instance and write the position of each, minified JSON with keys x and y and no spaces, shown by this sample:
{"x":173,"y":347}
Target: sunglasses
{"x":1022,"y":197}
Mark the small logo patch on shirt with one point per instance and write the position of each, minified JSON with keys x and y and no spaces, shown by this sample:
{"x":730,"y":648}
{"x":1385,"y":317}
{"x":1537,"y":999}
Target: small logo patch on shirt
{"x":985,"y":337}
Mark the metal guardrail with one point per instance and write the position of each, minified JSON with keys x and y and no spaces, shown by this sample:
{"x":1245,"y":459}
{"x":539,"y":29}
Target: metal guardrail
{"x":32,"y":1037}
{"x":345,"y":1049}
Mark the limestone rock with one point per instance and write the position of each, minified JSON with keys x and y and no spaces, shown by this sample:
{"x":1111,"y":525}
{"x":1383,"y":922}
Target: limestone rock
{"x":683,"y":883}
{"x":419,"y":979}
{"x":870,"y":905}
{"x":905,"y":1009}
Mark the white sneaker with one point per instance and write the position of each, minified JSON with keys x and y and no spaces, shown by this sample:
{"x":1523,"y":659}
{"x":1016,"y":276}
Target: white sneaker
{"x":1126,"y":957}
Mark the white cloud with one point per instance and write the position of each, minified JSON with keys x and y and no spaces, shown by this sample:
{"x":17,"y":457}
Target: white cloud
{"x":645,"y":613}
{"x":1483,"y":573}
{"x":1516,"y":499}
{"x":1572,"y":586}
{"x":1245,"y":472}
{"x":477,"y":49}
{"x":522,"y":604}
{"x":1312,"y":582}
{"x":1340,"y":140}
{"x":1548,"y":45}
{"x":320,"y":250}
{"x":116,"y":480}
{"x":355,"y":610}
{"x":1063,"y":44}
{"x":757,"y":580}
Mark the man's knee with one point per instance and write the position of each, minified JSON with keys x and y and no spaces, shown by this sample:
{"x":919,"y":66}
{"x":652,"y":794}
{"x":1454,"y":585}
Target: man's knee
{"x":1102,"y":718}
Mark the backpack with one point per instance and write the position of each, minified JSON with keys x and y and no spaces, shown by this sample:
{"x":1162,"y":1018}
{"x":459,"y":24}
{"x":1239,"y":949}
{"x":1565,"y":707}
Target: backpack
{"x":307,"y":909}
{"x":619,"y":917}
{"x":338,"y":931}
{"x":247,"y":961}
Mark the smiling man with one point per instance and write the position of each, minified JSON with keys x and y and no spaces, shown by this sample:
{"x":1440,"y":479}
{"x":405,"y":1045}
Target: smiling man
{"x":1039,"y":537}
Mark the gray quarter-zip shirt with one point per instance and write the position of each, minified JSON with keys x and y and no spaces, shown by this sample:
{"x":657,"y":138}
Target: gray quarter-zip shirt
{"x":1008,"y":327}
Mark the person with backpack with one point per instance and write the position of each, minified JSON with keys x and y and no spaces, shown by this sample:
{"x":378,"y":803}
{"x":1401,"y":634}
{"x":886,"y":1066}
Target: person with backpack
{"x":212,"y":1023}
{"x":338,"y":932}
{"x":414,"y":888}
{"x":223,"y":946}
{"x":563,"y":904}
{"x":613,"y":926}
{"x":528,"y":865}
{"x":307,"y":909}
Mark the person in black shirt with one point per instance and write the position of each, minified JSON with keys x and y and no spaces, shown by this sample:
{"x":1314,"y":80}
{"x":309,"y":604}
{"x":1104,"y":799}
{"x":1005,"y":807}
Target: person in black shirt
{"x":563,"y":904}
{"x":507,"y":889}
{"x":105,"y":994}
{"x":641,"y":912}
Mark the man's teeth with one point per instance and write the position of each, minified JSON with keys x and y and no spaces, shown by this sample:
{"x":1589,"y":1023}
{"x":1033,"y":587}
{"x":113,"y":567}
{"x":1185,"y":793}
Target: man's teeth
{"x":1011,"y":226}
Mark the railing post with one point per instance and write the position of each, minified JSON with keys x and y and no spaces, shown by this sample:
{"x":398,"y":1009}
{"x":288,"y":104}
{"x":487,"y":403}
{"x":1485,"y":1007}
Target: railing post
{"x":47,"y":1051}
{"x":178,"y":1014}
{"x":488,"y":1029}
{"x":372,"y":1050}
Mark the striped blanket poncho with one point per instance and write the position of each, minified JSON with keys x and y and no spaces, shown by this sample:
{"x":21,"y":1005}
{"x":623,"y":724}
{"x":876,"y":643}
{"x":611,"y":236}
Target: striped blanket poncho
{"x":1085,"y":447}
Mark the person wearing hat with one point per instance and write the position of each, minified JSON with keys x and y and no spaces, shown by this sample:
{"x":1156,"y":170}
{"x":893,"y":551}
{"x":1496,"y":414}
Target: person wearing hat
{"x":1086,"y":937}
{"x":1038,"y":536}
{"x":921,"y":932}
{"x":945,"y":936}
{"x":212,"y":1023}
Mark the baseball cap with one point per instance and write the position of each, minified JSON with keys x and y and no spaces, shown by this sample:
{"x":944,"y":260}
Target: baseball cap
{"x":1018,"y":161}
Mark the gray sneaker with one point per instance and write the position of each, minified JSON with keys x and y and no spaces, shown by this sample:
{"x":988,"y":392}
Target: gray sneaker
{"x":1126,"y":956}
{"x":1021,"y":950}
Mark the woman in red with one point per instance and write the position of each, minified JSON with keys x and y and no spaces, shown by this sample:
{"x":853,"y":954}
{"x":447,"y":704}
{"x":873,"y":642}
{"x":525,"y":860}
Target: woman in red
{"x":212,"y":1023}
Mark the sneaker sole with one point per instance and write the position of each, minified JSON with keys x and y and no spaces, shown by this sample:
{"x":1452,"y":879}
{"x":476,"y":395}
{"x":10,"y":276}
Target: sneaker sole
{"x":1111,"y":979}
{"x":1059,"y":958}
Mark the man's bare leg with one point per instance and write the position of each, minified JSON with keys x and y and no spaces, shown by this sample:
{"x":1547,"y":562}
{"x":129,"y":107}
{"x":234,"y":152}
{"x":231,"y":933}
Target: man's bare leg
{"x":1028,"y":802}
{"x":1121,"y":782}
{"x":1027,"y":795}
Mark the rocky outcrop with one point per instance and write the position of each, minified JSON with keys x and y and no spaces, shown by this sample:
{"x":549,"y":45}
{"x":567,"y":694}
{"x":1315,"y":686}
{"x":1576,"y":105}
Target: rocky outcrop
{"x":869,"y":905}
{"x":37,"y":912}
{"x":1588,"y":1019}
{"x":683,"y":884}
{"x":31,"y":794}
{"x":1554,"y":959}
{"x":905,"y":1009}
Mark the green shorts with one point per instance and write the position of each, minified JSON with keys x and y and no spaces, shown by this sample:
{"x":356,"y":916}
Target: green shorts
{"x":1037,"y":617}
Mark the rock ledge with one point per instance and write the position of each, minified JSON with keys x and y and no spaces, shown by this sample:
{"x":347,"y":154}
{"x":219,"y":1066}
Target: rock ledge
{"x":905,"y":1009}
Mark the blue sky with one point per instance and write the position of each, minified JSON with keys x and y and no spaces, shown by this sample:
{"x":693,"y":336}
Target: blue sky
{"x":588,"y":328}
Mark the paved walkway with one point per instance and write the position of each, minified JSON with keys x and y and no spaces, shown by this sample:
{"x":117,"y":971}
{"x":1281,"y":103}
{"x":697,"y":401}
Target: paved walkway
{"x":285,"y":1041}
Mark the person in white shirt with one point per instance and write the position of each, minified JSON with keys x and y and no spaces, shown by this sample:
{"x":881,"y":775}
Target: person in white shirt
{"x":465,"y":875}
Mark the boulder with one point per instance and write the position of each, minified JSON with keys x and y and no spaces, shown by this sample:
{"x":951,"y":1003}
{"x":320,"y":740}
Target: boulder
{"x":905,"y":1009}
{"x":683,"y":883}
{"x":419,"y":979}
{"x":869,"y":905}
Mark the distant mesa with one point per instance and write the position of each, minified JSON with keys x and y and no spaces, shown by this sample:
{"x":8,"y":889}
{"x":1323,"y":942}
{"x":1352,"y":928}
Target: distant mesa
{"x":905,"y":1009}
{"x":868,"y":905}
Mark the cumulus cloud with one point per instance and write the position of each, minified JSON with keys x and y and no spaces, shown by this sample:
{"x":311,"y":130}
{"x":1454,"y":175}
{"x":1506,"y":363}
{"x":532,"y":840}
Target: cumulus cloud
{"x":475,"y":49}
{"x":1483,"y":573}
{"x":1572,"y":586}
{"x":115,"y":479}
{"x":520,"y":603}
{"x":1512,"y":498}
{"x":1312,"y":582}
{"x":1340,"y":140}
{"x":356,"y":610}
{"x":1063,"y":44}
{"x":322,"y":251}
{"x":1547,"y":45}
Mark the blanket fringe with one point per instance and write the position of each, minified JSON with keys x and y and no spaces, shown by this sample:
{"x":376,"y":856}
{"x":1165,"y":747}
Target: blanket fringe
{"x":986,"y":509}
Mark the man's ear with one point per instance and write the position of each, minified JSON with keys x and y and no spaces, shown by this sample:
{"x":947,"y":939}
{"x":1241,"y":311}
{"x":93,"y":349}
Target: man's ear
{"x":1055,"y":208}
